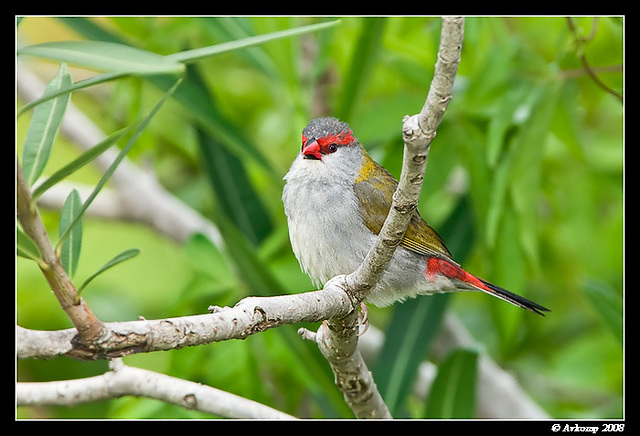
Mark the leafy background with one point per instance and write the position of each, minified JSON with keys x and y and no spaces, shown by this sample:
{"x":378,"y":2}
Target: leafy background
{"x":524,"y":181}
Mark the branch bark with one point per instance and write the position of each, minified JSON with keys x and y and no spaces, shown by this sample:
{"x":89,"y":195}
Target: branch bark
{"x":251,"y":315}
{"x":124,"y":380}
{"x":337,"y":337}
{"x":418,"y":131}
{"x":89,"y":327}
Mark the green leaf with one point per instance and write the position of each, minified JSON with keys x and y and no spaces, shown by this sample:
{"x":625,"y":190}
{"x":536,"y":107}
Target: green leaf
{"x":250,"y":269}
{"x":608,"y":304}
{"x":526,"y":174}
{"x":413,"y":326}
{"x":233,"y":189}
{"x":364,"y":55}
{"x":67,"y":89}
{"x":70,"y":249}
{"x":236,"y":28}
{"x":43,"y":128}
{"x":452,"y":394}
{"x":125,"y":255}
{"x":120,"y":157}
{"x":203,"y":52}
{"x":416,"y":322}
{"x":26,"y":247}
{"x":81,"y":161}
{"x":198,"y":104}
{"x":105,"y":56}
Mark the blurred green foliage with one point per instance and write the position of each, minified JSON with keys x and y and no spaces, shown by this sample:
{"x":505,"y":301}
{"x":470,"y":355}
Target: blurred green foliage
{"x":524,"y":180}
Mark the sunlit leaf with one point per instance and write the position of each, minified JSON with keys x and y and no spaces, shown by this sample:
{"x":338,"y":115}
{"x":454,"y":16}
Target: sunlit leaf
{"x":203,"y":52}
{"x":105,"y":56}
{"x":81,"y":161}
{"x":121,"y":155}
{"x":70,"y":249}
{"x":44,"y":125}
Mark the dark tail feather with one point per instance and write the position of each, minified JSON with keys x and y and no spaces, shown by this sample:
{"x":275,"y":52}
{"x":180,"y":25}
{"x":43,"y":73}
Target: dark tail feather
{"x":512,"y":298}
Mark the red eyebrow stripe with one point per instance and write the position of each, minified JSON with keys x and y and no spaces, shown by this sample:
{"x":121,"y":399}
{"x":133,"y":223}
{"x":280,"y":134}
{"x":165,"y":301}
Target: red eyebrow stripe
{"x":342,"y":138}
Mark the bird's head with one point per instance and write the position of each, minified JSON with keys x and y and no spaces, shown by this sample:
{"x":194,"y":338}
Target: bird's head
{"x":325,"y":136}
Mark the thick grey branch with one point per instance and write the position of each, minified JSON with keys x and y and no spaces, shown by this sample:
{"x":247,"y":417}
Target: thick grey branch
{"x":251,"y":315}
{"x":337,"y":339}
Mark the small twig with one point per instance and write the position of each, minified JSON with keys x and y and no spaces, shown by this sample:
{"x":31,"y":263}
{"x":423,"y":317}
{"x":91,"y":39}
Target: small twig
{"x":580,"y":41}
{"x":89,"y":327}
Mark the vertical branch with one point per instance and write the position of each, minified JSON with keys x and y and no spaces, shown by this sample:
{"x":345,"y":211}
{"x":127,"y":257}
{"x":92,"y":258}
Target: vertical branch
{"x":88,"y":325}
{"x":337,"y":338}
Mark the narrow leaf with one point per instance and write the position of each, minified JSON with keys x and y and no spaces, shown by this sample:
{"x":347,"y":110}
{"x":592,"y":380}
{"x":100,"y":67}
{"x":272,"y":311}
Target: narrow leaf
{"x":67,"y":89}
{"x":452,"y":394}
{"x":233,"y":190}
{"x":43,"y":127}
{"x":243,"y":257}
{"x":25,"y":246}
{"x":81,"y":160}
{"x":105,"y":56}
{"x":608,"y":304}
{"x":203,"y":52}
{"x":362,"y":61}
{"x":125,"y":255}
{"x":413,"y":326}
{"x":416,"y":322}
{"x":120,"y":157}
{"x":70,"y":249}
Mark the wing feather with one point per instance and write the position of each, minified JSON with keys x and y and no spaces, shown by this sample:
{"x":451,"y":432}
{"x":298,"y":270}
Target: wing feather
{"x":419,"y":237}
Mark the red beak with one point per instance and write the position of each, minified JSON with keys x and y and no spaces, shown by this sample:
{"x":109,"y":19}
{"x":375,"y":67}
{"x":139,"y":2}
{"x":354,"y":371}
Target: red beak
{"x":311,"y":150}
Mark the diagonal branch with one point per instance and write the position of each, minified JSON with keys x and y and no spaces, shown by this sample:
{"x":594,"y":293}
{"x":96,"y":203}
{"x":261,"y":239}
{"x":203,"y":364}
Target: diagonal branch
{"x":337,"y":337}
{"x":418,"y":132}
{"x":88,"y":325}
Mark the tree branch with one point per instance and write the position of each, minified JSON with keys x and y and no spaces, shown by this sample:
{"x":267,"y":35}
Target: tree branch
{"x":418,"y":131}
{"x":251,"y":315}
{"x":124,"y":380}
{"x":338,"y":337}
{"x":89,"y":327}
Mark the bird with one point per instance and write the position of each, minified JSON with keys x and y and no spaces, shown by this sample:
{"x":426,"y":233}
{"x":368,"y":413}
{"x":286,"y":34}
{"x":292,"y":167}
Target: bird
{"x":336,"y":199}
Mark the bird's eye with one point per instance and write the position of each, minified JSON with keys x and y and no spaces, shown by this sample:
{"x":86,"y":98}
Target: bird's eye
{"x":332,"y":148}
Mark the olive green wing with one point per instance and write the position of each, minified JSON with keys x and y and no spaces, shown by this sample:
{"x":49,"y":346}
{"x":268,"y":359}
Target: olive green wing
{"x":375,"y":193}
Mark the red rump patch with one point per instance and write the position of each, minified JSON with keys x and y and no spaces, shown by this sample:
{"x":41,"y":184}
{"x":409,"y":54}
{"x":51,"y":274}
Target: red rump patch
{"x":437,"y":266}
